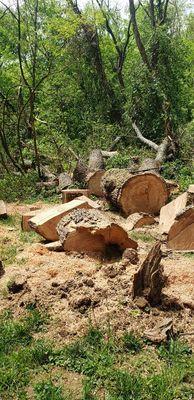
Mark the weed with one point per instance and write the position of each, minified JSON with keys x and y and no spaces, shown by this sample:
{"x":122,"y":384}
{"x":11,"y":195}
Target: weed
{"x":131,"y":343}
{"x":46,"y":390}
{"x":8,"y":253}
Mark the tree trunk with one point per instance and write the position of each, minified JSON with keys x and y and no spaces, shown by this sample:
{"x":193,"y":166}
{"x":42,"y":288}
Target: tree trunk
{"x":94,"y":180}
{"x":96,"y":161}
{"x":148,"y":280}
{"x":181,"y":234}
{"x":92,"y":231}
{"x":80,"y":172}
{"x":145,"y":192}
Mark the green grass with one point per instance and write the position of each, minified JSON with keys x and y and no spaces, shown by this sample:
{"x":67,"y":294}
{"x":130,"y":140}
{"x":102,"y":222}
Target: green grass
{"x":145,"y":237}
{"x":110,"y":367}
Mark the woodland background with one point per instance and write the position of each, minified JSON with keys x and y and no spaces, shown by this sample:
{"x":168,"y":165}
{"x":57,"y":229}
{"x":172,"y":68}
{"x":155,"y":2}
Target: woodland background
{"x":76,"y":77}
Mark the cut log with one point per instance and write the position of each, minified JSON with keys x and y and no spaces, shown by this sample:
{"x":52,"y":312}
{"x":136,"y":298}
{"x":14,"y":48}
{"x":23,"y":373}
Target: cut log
{"x":80,"y":172}
{"x":45,"y":222}
{"x":91,"y":203}
{"x":71,"y":194}
{"x":146,"y":192}
{"x":3,"y":210}
{"x":26,"y":218}
{"x":181,"y":233}
{"x":169,"y":212}
{"x":92,"y":231}
{"x":148,"y":280}
{"x":64,"y":180}
{"x":96,"y":161}
{"x":94,"y":180}
{"x":109,"y":154}
{"x":137,"y":220}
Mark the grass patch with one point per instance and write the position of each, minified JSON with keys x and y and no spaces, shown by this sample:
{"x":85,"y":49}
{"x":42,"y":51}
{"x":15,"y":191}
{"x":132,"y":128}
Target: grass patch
{"x":112,"y":368}
{"x":145,"y":237}
{"x":8,"y":253}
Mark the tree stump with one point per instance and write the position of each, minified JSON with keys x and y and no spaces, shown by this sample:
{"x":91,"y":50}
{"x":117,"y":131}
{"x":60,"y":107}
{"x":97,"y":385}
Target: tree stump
{"x":148,"y":280}
{"x":96,"y":161}
{"x":145,"y":192}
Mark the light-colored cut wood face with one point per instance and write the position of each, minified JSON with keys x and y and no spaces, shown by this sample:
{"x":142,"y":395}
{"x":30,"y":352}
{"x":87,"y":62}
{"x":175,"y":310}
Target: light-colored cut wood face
{"x":143,"y":193}
{"x":181,"y":234}
{"x":94,"y":183}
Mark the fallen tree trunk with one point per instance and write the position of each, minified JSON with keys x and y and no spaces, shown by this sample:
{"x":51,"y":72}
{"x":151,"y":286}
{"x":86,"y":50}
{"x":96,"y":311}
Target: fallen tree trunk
{"x":92,"y":231}
{"x":148,"y":280}
{"x":181,"y":233}
{"x":96,"y":161}
{"x":146,"y":192}
{"x":80,"y":172}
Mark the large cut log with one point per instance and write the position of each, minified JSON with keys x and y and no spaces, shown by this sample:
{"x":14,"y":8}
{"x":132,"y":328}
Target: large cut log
{"x":25,"y":225}
{"x":64,"y":180}
{"x":92,"y":231}
{"x":181,"y":233}
{"x":3,"y":209}
{"x":145,"y":192}
{"x":169,"y":212}
{"x":148,"y":281}
{"x":94,"y":180}
{"x":96,"y":161}
{"x":45,"y":222}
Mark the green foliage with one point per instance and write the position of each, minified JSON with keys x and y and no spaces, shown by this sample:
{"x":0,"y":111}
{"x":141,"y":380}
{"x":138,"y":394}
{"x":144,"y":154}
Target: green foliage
{"x":131,"y":343}
{"x":21,"y":187}
{"x":179,"y":171}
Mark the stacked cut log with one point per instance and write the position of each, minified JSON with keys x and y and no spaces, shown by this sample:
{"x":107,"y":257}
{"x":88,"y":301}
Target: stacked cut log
{"x":45,"y":222}
{"x":92,"y":231}
{"x":177,"y":221}
{"x":143,"y":192}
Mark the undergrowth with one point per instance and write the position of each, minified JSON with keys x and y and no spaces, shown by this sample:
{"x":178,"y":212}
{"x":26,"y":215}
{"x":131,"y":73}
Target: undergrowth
{"x":110,"y":367}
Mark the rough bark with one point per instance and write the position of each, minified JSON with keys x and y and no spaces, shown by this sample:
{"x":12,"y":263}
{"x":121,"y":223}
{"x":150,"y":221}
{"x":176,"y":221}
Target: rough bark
{"x":151,"y":165}
{"x":92,"y":231}
{"x":145,"y":192}
{"x":80,"y":172}
{"x":148,"y":280}
{"x":96,"y":161}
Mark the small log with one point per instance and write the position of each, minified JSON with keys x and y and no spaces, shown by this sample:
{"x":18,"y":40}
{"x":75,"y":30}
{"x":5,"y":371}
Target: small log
{"x":94,"y":180}
{"x":92,"y":231}
{"x":146,"y":192}
{"x":45,"y":222}
{"x":71,"y":194}
{"x":137,"y":220}
{"x":181,"y":233}
{"x":80,"y":172}
{"x":169,"y":212}
{"x":3,"y":210}
{"x":26,"y":218}
{"x":109,"y":154}
{"x":96,"y":161}
{"x":151,"y":165}
{"x":148,"y":280}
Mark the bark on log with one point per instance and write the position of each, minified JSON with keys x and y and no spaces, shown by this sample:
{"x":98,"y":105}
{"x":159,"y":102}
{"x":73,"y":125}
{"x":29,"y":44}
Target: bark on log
{"x":181,"y":233}
{"x":151,"y":165}
{"x":146,"y":192}
{"x":109,"y":154}
{"x":80,"y":172}
{"x":169,"y":212}
{"x":94,"y":180}
{"x":92,"y":231}
{"x":148,"y":280}
{"x":64,"y":181}
{"x":96,"y":161}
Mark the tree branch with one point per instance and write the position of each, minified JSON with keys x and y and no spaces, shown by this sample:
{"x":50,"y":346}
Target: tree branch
{"x":149,"y":143}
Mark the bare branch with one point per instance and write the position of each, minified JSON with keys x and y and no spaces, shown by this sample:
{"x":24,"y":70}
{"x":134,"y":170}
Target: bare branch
{"x":149,"y":143}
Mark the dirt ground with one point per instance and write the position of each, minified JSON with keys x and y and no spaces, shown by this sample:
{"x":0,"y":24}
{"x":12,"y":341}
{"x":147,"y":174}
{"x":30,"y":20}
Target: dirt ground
{"x":78,"y":290}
